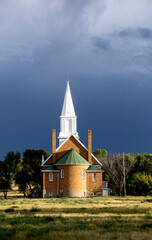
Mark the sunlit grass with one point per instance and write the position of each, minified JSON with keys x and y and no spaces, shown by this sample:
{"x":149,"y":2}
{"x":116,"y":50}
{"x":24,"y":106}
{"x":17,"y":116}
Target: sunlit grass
{"x":76,"y":218}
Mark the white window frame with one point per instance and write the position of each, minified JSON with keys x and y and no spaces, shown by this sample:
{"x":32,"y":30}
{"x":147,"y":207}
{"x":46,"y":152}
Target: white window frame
{"x":83,"y":194}
{"x":83,"y":173}
{"x":94,"y":193}
{"x":51,"y":178}
{"x":94,"y":177}
{"x":62,"y":173}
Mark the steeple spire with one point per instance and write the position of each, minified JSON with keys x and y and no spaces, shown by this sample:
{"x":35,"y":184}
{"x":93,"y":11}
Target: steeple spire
{"x":68,"y":119}
{"x":68,"y":108}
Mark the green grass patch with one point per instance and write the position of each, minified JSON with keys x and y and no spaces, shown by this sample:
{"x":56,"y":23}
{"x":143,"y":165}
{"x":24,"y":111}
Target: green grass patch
{"x":7,"y":233}
{"x":146,"y":225}
{"x":76,"y":218}
{"x":149,"y":214}
{"x":147,"y":200}
{"x":34,"y":209}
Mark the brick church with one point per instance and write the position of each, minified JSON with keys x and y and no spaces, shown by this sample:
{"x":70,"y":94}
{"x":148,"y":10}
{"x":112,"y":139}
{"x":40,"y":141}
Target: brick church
{"x":71,"y":170}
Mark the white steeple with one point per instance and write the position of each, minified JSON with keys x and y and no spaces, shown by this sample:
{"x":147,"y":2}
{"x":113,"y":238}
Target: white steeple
{"x":68,"y":108}
{"x":68,"y":119}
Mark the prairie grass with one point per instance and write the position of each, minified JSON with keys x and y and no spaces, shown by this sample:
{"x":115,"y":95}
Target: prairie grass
{"x":9,"y":210}
{"x":106,"y":218}
{"x":34,"y":209}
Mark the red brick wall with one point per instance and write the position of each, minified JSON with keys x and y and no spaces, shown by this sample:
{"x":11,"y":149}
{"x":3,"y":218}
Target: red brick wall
{"x":97,"y":186}
{"x":72,"y":178}
{"x":73,"y":143}
{"x":50,"y":185}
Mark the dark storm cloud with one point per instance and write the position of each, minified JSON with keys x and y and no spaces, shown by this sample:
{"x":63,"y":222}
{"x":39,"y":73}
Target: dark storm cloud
{"x":139,"y":32}
{"x":101,"y":43}
{"x":40,"y":41}
{"x":145,"y":33}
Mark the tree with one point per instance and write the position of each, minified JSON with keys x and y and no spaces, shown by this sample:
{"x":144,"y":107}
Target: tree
{"x":100,"y":153}
{"x":7,"y":168}
{"x":114,"y":167}
{"x":141,"y":184}
{"x":140,"y":179}
{"x":31,"y":169}
{"x":104,"y":153}
{"x":21,"y":177}
{"x":97,"y":153}
{"x":26,"y":172}
{"x":5,"y":185}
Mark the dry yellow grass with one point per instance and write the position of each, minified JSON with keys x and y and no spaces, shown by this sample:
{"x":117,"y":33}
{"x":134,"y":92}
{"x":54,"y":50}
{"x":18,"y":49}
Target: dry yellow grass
{"x":76,"y":218}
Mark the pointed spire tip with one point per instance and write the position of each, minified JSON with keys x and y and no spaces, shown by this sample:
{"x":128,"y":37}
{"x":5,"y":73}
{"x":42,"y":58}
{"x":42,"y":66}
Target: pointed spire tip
{"x":68,"y":108}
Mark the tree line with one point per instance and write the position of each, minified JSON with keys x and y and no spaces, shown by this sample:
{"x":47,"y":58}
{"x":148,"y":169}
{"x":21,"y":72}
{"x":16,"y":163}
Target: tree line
{"x":24,"y":172}
{"x":127,"y":173}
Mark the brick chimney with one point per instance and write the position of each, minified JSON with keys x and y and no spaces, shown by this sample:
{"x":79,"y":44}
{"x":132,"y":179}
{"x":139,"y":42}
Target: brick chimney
{"x":90,"y":145}
{"x":53,"y":145}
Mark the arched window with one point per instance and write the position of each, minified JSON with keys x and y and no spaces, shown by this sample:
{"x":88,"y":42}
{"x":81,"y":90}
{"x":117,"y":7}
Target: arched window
{"x":62,"y":173}
{"x":83,"y":173}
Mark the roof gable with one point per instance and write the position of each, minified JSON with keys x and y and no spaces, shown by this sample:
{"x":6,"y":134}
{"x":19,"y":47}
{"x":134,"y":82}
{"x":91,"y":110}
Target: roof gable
{"x":71,"y":142}
{"x":82,"y":148}
{"x":72,"y":158}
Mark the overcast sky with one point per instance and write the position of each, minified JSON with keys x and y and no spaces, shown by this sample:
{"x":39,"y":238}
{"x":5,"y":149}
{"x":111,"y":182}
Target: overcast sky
{"x":105,"y":46}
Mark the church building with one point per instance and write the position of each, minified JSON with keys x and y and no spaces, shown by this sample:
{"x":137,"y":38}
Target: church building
{"x":71,"y":170}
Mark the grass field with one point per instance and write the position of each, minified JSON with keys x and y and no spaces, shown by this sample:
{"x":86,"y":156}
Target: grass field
{"x":76,"y":218}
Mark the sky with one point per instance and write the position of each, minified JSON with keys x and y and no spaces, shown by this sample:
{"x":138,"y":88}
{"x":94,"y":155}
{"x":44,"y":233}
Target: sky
{"x":106,"y":48}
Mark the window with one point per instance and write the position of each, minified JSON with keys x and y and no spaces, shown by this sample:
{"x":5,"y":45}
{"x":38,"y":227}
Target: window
{"x":94,"y":194}
{"x":83,"y":194}
{"x":83,"y":173}
{"x":50,"y":194}
{"x":51,"y":177}
{"x":61,"y":192}
{"x":62,"y":173}
{"x":94,"y":177}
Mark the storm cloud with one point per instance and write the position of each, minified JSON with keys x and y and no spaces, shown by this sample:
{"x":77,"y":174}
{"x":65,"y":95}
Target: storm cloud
{"x":104,"y":45}
{"x":139,"y":32}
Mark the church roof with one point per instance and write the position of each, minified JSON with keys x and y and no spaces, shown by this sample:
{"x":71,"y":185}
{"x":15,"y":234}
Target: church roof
{"x":50,"y":168}
{"x":80,"y":144}
{"x":96,"y":160}
{"x":94,"y":168}
{"x":68,"y":108}
{"x":72,"y":158}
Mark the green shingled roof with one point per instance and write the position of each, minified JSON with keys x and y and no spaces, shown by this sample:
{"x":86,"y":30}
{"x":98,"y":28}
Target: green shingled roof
{"x":51,"y":168}
{"x":72,"y":158}
{"x":93,"y":168}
